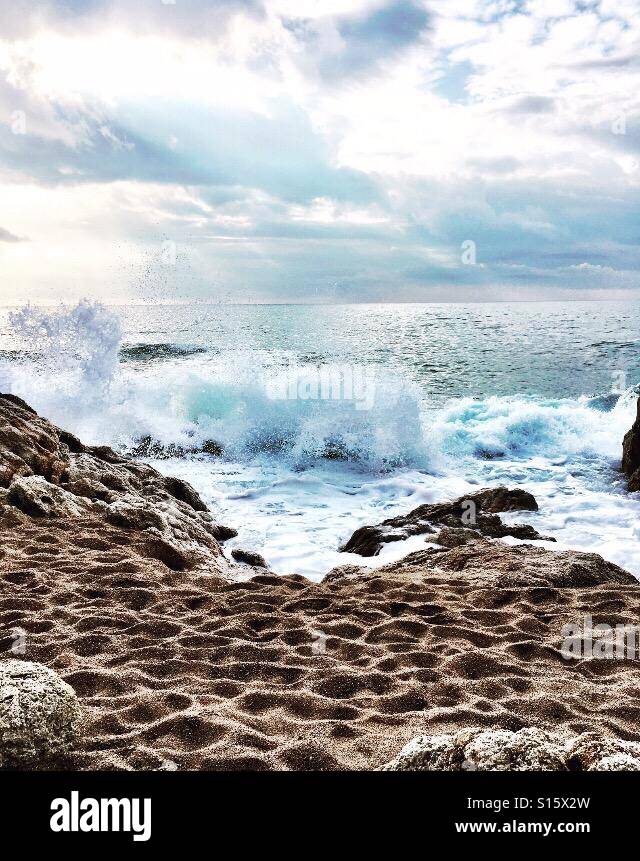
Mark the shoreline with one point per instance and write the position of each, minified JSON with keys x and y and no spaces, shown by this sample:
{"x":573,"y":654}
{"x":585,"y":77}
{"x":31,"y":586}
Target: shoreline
{"x":116,"y":576}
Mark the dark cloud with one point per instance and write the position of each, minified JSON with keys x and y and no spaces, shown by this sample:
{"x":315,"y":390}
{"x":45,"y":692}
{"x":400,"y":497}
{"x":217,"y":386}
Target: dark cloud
{"x":366,"y":40}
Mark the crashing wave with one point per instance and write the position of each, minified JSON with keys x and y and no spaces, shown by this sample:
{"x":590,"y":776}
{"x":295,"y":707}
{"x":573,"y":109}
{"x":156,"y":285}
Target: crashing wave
{"x":254,"y":405}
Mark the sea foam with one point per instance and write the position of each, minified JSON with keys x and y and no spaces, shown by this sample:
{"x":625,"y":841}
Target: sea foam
{"x":299,"y":473}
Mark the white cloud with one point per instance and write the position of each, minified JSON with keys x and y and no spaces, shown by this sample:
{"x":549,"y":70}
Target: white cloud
{"x":496,"y":120}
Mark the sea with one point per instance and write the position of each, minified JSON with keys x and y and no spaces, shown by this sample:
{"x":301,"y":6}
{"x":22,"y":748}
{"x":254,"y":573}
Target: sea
{"x":299,"y":423}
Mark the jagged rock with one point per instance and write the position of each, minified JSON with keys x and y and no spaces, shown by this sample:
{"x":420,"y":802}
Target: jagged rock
{"x":182,"y":490}
{"x":130,"y":512}
{"x":594,"y":752}
{"x":29,"y":445}
{"x":249,"y":558}
{"x":528,"y":749}
{"x":498,"y":499}
{"x":49,"y":473}
{"x":631,"y":453}
{"x":476,"y":511}
{"x":39,"y":714}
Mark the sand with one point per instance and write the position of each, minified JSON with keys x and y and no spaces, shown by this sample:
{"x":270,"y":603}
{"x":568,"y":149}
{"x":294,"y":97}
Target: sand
{"x":184,"y":667}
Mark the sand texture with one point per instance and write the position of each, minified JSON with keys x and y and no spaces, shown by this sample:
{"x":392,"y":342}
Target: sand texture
{"x":114,"y":577}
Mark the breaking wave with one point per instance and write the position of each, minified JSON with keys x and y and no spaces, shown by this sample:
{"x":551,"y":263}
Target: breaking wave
{"x":72,"y":367}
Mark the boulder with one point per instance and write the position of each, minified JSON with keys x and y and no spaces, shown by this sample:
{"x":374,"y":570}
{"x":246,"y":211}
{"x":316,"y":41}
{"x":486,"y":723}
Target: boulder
{"x":476,"y":511}
{"x":37,"y":497}
{"x":249,"y":558}
{"x":39,"y":714}
{"x":29,"y":445}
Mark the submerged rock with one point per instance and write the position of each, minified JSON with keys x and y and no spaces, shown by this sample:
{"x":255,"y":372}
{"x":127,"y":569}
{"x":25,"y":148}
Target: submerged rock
{"x":475,"y":512}
{"x":149,"y":447}
{"x":39,"y":714}
{"x":528,"y":749}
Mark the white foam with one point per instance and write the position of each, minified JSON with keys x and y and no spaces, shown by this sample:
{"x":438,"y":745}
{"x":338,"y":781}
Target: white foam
{"x":274,"y":485}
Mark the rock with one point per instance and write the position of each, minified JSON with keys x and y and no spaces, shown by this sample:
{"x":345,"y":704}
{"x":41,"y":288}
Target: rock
{"x":131,"y":512}
{"x":448,"y":537}
{"x":249,"y":557}
{"x":528,"y":749}
{"x":479,"y":562}
{"x":221,"y":532}
{"x":182,"y":490}
{"x":477,"y":511}
{"x":49,"y":473}
{"x":29,"y":445}
{"x":37,"y":497}
{"x":146,"y":446}
{"x":594,"y":752}
{"x":39,"y":714}
{"x":631,"y":453}
{"x":369,"y":540}
{"x":498,"y":499}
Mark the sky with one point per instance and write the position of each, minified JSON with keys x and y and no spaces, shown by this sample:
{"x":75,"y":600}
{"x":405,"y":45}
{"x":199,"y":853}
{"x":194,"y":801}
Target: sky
{"x":319,"y":150}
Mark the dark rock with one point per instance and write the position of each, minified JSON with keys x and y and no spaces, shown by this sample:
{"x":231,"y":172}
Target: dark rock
{"x":631,"y":453}
{"x":14,"y":399}
{"x":72,"y":442}
{"x":184,"y":491}
{"x":249,"y":557}
{"x":146,"y":446}
{"x":222,"y":533}
{"x":497,"y":499}
{"x":476,"y":511}
{"x":106,"y":453}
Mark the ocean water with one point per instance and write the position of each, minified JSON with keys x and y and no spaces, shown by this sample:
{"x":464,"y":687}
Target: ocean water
{"x":330,"y":417}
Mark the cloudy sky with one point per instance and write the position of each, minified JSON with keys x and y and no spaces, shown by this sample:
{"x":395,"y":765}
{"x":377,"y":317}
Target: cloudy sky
{"x":319,"y":150}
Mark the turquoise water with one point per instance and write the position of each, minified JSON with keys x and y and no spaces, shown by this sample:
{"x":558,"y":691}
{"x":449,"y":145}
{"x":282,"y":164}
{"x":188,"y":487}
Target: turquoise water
{"x":334,"y":416}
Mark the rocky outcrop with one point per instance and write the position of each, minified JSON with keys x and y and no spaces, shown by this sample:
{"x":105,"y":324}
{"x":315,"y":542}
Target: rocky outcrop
{"x":29,"y":445}
{"x":631,"y":453}
{"x":47,"y":473}
{"x":39,"y":715}
{"x":475,"y":513}
{"x":528,"y":749}
{"x":476,"y":561}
